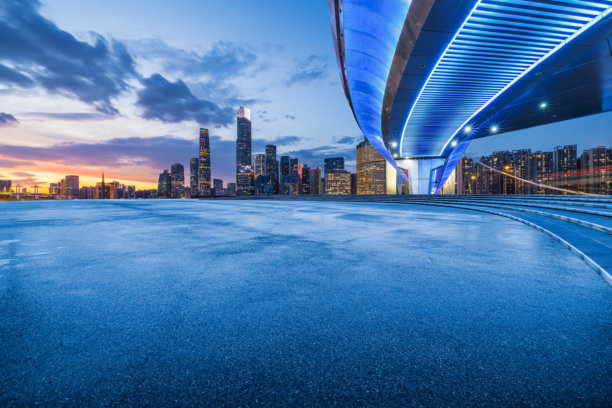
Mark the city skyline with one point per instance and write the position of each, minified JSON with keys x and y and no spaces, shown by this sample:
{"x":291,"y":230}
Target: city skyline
{"x":51,"y":127}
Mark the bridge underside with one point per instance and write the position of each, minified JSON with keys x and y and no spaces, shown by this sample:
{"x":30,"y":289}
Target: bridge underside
{"x":465,"y":69}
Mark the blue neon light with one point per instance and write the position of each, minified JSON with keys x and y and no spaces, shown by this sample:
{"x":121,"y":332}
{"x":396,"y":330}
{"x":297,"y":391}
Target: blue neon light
{"x":499,"y":43}
{"x":371,"y":33}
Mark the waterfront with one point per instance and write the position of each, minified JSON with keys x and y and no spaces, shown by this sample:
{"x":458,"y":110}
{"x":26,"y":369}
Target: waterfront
{"x":307,"y":303}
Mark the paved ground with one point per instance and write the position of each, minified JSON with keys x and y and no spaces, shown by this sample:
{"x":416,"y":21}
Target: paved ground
{"x":183,"y":303}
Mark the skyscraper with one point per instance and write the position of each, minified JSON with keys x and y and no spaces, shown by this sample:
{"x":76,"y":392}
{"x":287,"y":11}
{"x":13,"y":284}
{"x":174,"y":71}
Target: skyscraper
{"x":204,"y":164}
{"x":338,"y":182}
{"x":177,"y":180}
{"x":334,"y":163}
{"x":72,"y":186}
{"x":295,"y":183}
{"x":218,"y":187}
{"x":271,"y":170}
{"x":260,"y":174}
{"x":193,"y":176}
{"x":164,"y":186}
{"x":243,"y":140}
{"x":244,"y":165}
{"x":374,"y":174}
{"x":305,"y":179}
{"x":5,"y":186}
{"x":285,"y":175}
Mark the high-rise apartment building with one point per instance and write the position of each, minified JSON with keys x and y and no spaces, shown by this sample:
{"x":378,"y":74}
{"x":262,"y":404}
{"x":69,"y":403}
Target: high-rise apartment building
{"x":193,"y":176}
{"x":566,"y":166}
{"x":177,"y":180}
{"x":204,"y":164}
{"x":244,"y":165}
{"x":271,"y":170}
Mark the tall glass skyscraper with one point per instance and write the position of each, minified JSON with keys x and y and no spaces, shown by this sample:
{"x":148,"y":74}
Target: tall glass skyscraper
{"x":177,"y":180}
{"x":295,"y":182}
{"x":193,"y":176}
{"x":271,"y":170}
{"x":204,"y":163}
{"x":244,"y":169}
{"x":285,"y":175}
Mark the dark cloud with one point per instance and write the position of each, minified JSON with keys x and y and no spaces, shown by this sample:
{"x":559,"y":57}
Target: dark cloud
{"x":7,"y":119}
{"x":349,"y":140}
{"x":224,"y":60}
{"x":14,"y":163}
{"x":173,"y":102}
{"x":280,"y":142}
{"x":308,"y":70}
{"x":11,"y":77}
{"x":290,"y":117}
{"x":43,"y":54}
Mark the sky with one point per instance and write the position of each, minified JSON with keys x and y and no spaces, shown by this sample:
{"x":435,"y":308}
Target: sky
{"x":124,"y":86}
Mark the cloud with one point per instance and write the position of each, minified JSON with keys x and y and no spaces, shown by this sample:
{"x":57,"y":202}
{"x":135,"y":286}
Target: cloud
{"x":67,"y":115}
{"x":173,"y":102}
{"x":280,"y":142}
{"x":315,"y":156}
{"x":290,"y":117}
{"x":157,"y":152}
{"x":310,"y":69}
{"x":7,"y":119}
{"x":41,"y":53}
{"x":14,"y":163}
{"x":224,"y":60}
{"x":349,"y":140}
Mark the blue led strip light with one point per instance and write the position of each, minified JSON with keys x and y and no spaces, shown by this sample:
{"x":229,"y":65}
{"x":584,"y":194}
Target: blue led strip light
{"x":371,"y":32}
{"x":498,"y":43}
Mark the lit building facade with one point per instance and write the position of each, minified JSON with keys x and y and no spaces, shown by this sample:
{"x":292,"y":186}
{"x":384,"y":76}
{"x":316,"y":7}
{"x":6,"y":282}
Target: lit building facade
{"x":244,"y":165}
{"x":375,"y":175}
{"x":193,"y":176}
{"x":177,"y":180}
{"x":338,"y":182}
{"x":271,"y":170}
{"x":204,"y":164}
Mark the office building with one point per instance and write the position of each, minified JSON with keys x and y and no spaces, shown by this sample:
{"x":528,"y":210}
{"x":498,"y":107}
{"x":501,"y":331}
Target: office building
{"x":204,"y":164}
{"x":164,"y":185}
{"x":218,"y":187}
{"x":193,"y":176}
{"x":244,"y":169}
{"x":5,"y":186}
{"x":259,"y":174}
{"x":271,"y":170}
{"x":177,"y":180}
{"x":295,"y":182}
{"x":231,"y":189}
{"x":71,"y":186}
{"x":285,"y":175}
{"x":338,"y":182}
{"x":375,"y":175}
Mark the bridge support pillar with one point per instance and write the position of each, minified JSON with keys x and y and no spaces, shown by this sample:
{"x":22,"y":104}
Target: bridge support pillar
{"x":422,"y":174}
